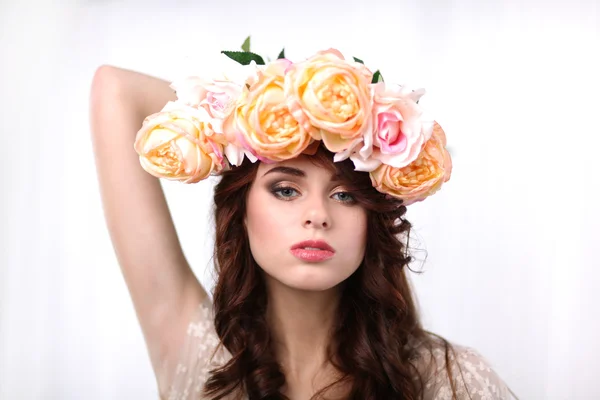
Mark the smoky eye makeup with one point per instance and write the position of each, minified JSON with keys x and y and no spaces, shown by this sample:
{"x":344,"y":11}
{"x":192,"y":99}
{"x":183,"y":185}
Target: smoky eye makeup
{"x":280,"y":181}
{"x":286,"y":190}
{"x":274,"y":185}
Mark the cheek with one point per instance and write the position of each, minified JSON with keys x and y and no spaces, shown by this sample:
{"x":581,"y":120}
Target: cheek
{"x":264,"y":223}
{"x":356,"y":232}
{"x":262,"y":227}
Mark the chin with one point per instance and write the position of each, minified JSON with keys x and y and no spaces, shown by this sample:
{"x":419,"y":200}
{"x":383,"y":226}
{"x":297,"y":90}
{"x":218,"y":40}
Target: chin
{"x":314,"y":278}
{"x":311,"y":286}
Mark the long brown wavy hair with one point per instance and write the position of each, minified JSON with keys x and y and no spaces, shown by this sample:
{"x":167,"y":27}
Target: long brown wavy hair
{"x":377,"y":335}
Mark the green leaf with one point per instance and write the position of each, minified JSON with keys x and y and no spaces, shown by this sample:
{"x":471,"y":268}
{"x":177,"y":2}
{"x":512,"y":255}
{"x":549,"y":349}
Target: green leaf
{"x":358,"y":60}
{"x":377,"y":77}
{"x":246,"y":45}
{"x":244,"y":57}
{"x":281,"y":54}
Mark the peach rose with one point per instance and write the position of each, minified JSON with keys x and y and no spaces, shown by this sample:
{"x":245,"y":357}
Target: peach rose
{"x":262,"y":121}
{"x":420,"y":179}
{"x":330,"y":97}
{"x":180,"y":144}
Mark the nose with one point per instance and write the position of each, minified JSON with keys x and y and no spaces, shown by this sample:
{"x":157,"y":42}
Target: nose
{"x":317,"y":215}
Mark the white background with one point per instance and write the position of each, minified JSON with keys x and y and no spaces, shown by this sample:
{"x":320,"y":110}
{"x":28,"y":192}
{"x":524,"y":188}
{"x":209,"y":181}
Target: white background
{"x":512,"y":239}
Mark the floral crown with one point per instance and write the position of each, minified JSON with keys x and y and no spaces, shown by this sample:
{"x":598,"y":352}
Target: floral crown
{"x":279,"y":110}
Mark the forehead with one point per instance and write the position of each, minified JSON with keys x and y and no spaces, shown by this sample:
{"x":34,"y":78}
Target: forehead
{"x":304,"y":163}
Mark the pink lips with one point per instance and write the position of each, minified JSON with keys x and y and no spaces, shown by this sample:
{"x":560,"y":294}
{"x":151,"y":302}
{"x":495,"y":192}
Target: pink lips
{"x":312,"y":250}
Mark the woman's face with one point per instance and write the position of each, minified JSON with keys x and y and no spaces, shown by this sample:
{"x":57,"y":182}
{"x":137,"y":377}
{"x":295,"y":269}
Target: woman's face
{"x":294,"y":201}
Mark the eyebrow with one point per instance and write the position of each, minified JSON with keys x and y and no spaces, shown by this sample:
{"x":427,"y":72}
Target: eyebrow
{"x":296,"y":172}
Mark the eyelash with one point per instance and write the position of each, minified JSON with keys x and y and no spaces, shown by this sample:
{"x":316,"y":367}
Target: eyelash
{"x":276,"y":190}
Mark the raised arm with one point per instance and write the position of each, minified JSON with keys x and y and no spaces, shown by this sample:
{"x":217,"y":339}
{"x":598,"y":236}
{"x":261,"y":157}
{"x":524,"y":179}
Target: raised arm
{"x":163,"y":288}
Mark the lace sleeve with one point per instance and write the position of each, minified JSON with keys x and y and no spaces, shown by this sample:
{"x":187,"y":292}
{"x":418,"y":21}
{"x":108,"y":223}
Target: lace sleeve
{"x":198,"y":356}
{"x":473,"y":377}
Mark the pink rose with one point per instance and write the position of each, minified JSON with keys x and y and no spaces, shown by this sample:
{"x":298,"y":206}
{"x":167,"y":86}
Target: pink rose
{"x":421,"y":178}
{"x":399,"y":129}
{"x":217,"y":97}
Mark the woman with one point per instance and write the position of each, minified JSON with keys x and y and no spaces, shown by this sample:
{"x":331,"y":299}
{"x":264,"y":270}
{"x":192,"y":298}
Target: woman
{"x":312,"y":298}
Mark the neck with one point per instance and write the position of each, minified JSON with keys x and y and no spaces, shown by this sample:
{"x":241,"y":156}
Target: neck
{"x":300,"y":323}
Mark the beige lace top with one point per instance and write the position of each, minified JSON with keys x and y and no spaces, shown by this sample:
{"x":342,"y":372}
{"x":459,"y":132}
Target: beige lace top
{"x":198,"y":357}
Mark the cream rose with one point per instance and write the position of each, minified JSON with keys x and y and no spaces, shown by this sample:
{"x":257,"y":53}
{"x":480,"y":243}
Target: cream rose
{"x":420,"y":179}
{"x":330,"y":97}
{"x":262,"y":121}
{"x":180,"y":144}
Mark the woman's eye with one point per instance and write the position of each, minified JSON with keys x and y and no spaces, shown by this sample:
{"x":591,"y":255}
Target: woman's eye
{"x":345,"y":197}
{"x":288,"y":193}
{"x":284,"y":192}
